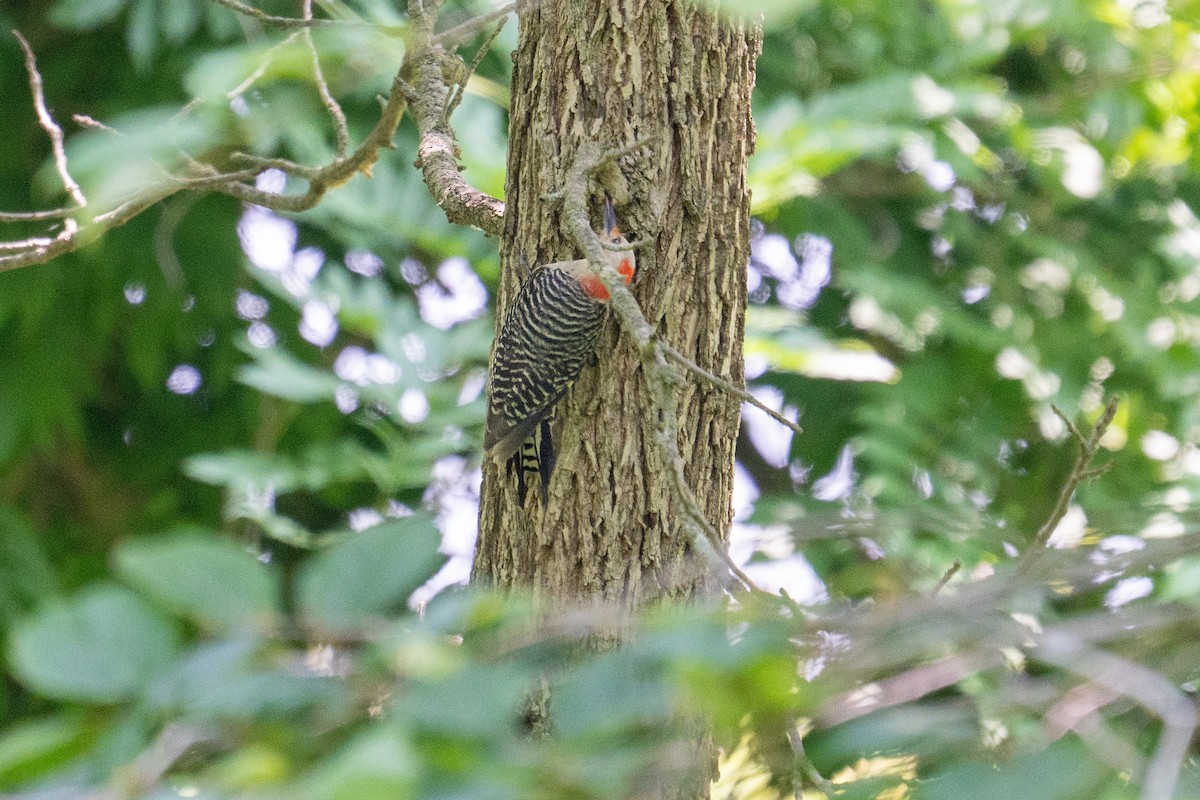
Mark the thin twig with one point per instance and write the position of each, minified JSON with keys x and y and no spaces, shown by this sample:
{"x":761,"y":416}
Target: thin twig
{"x":950,"y":573}
{"x":48,"y":124}
{"x":84,"y":121}
{"x":320,"y":181}
{"x":660,"y":377}
{"x":36,"y":216}
{"x":262,"y":67}
{"x":173,"y":214}
{"x":722,"y":383}
{"x":456,"y":96}
{"x":464,"y":31}
{"x":269,"y":19}
{"x":1079,"y":472}
{"x":331,"y":103}
{"x":260,"y":163}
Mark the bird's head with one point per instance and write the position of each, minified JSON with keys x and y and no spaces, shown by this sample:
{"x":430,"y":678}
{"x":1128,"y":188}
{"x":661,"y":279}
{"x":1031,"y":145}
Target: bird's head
{"x":623,"y":260}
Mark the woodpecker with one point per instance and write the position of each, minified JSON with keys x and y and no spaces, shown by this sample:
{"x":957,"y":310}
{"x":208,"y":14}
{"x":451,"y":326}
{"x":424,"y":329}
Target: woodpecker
{"x":550,"y":331}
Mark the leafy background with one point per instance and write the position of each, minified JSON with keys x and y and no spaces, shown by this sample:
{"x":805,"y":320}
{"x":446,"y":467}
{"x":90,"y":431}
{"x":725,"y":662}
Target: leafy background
{"x":232,"y":443}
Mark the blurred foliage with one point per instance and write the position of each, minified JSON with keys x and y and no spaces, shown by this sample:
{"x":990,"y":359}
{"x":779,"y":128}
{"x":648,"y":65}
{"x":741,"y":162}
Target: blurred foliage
{"x":230,"y":440}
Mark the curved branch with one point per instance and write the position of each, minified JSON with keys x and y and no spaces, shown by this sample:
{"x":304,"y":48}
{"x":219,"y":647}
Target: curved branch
{"x":437,"y":149}
{"x":75,"y":234}
{"x":464,"y":31}
{"x":1149,"y":688}
{"x":661,"y":378}
{"x":331,"y":104}
{"x":437,"y":153}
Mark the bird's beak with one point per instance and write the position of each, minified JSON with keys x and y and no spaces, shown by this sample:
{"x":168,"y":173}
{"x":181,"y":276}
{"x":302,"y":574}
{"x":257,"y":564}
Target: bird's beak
{"x":610,"y":218}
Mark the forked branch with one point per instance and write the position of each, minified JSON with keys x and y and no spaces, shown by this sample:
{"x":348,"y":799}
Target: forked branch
{"x":437,"y":151}
{"x":1081,"y":470}
{"x":661,"y":378}
{"x":431,"y":101}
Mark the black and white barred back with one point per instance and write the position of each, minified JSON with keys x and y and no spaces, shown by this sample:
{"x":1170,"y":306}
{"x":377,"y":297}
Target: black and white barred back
{"x":549,"y":333}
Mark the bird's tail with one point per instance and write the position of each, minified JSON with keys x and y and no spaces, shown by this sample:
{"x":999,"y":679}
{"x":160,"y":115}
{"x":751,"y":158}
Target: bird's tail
{"x":536,"y":456}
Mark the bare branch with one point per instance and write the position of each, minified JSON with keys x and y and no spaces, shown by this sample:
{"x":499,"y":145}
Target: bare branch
{"x":1075,"y":434}
{"x":804,"y":766}
{"x":1149,"y":688}
{"x":261,"y":69}
{"x":950,"y":573}
{"x":320,"y":180}
{"x":661,"y":379}
{"x":437,"y":149}
{"x":35,"y":216}
{"x":48,"y":124}
{"x":1079,"y":472}
{"x":260,"y":163}
{"x":913,"y":684}
{"x":456,"y":96}
{"x":452,"y":37}
{"x":722,"y":383}
{"x":84,"y":121}
{"x":73,"y":236}
{"x":273,"y":21}
{"x":331,"y":104}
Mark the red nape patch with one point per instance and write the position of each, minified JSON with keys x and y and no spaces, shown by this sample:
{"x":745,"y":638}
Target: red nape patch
{"x":594,"y":288}
{"x":626,"y":270}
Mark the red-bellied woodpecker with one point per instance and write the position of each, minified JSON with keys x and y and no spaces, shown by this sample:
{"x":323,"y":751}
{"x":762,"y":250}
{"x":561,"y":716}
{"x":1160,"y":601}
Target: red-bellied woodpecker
{"x":549,"y":333}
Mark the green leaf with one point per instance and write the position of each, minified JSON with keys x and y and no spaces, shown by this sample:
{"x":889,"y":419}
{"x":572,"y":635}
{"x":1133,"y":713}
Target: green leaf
{"x":1066,"y":769}
{"x":85,"y":14}
{"x":481,"y":701}
{"x":209,"y":579}
{"x":35,"y":747}
{"x":141,"y":34}
{"x":1182,"y":581}
{"x":180,"y":19}
{"x":104,"y":645}
{"x":370,"y":573}
{"x":377,"y":765}
{"x":228,"y":680}
{"x":313,"y":469}
{"x":281,"y":374}
{"x":25,"y":573}
{"x":585,"y":706}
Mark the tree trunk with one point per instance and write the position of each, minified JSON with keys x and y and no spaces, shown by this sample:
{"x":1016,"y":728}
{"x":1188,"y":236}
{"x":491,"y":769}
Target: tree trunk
{"x":616,"y":72}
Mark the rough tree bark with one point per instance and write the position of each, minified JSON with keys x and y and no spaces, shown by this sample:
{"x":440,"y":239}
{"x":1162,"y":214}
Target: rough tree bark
{"x":680,"y":78}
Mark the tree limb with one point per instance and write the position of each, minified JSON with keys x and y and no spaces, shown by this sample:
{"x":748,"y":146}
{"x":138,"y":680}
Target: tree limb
{"x":38,"y":250}
{"x":437,"y":150}
{"x":661,"y":379}
{"x":721,"y":383}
